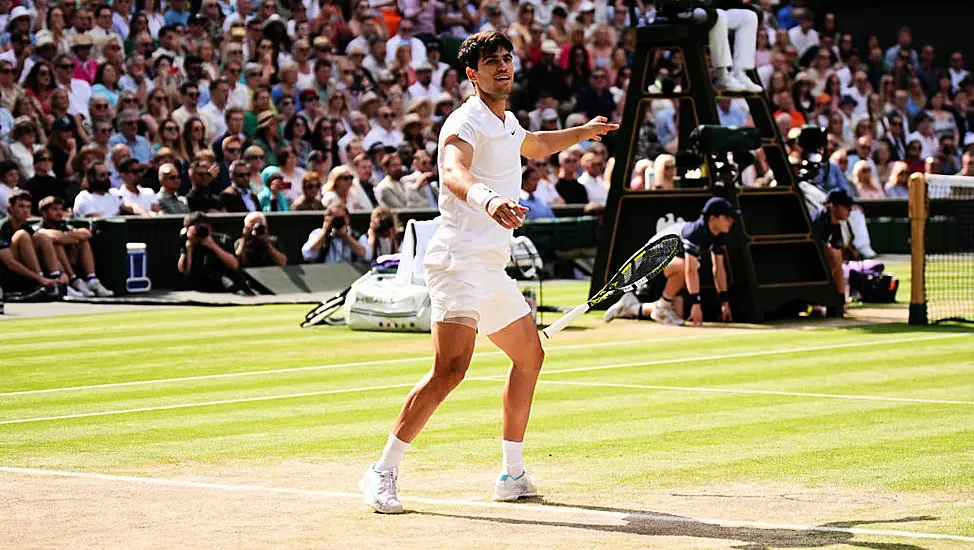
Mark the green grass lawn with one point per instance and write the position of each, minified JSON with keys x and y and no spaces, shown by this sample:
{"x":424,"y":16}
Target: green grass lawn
{"x":648,"y":421}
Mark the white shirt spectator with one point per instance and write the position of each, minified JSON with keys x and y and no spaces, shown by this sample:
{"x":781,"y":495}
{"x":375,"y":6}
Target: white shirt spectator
{"x":378,"y":134}
{"x":120,"y":24}
{"x":144,"y":199}
{"x":594,"y":187}
{"x":419,"y":50}
{"x":128,"y":84}
{"x":25,"y":158}
{"x":105,"y":205}
{"x":80,"y":93}
{"x":546,"y":192}
{"x":214,"y":120}
{"x":956,"y":77}
{"x":418,"y":91}
{"x":803,"y":41}
{"x":239,"y":97}
{"x":930,"y":144}
{"x":5,"y":193}
{"x":862,"y":100}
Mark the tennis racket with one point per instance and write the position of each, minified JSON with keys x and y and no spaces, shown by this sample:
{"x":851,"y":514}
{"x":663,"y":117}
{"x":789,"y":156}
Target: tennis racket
{"x":647,"y":263}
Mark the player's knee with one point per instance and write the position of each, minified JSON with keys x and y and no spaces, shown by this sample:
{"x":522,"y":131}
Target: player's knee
{"x":448,"y":374}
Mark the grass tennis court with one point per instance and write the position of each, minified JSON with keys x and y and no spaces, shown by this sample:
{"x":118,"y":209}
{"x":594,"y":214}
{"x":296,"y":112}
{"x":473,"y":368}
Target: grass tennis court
{"x":235,"y":428}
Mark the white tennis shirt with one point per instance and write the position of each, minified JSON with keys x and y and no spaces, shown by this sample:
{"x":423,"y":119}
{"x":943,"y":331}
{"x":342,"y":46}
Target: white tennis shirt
{"x":468,"y":237}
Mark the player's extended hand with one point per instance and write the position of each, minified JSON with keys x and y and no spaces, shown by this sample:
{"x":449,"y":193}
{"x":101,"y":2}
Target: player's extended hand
{"x":725,"y":313}
{"x":598,"y":127}
{"x":506,"y":212}
{"x":696,"y":315}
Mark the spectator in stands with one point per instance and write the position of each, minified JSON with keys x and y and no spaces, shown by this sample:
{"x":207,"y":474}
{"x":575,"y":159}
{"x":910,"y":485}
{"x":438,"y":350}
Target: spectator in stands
{"x":200,"y":198}
{"x":310,"y":198}
{"x":867,"y":187}
{"x":950,"y":162}
{"x":256,"y":247}
{"x":168,"y":196}
{"x":239,"y":197}
{"x":272,"y":196}
{"x":383,"y":131}
{"x":334,"y":241}
{"x":730,"y":114}
{"x":567,"y":185}
{"x":898,"y":185}
{"x":420,"y":183}
{"x":537,"y":207}
{"x":592,"y":180}
{"x":24,"y":136}
{"x":904,"y":44}
{"x":97,"y":201}
{"x":44,"y":183}
{"x":956,"y":71}
{"x":391,"y":191}
{"x":206,"y":258}
{"x":383,"y":231}
{"x":130,"y":191}
{"x":72,"y":246}
{"x":895,"y":137}
{"x":138,"y":146}
{"x":925,"y":135}
{"x":804,"y":36}
{"x":596,"y":100}
{"x":23,"y":271}
{"x":664,"y":172}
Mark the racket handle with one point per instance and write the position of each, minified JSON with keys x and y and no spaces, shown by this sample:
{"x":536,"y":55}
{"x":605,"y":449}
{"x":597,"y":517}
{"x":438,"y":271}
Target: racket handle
{"x":566,"y":320}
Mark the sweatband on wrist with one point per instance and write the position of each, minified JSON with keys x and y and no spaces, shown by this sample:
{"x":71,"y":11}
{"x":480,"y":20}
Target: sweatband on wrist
{"x":724,"y":296}
{"x":695,"y":298}
{"x":479,"y":195}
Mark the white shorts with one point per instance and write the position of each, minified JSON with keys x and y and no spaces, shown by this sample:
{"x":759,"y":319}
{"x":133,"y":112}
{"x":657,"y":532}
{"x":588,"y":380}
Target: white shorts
{"x":490,"y":298}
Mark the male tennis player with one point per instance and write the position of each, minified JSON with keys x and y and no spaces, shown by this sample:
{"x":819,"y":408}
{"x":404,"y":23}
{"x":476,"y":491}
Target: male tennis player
{"x":706,"y":234}
{"x":480,"y":167}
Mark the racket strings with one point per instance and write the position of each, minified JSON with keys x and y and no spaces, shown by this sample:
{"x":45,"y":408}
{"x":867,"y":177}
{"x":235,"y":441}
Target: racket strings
{"x":648,"y":262}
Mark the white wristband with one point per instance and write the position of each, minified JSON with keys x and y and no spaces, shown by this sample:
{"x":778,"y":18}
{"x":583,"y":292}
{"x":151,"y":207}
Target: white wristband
{"x":479,"y":195}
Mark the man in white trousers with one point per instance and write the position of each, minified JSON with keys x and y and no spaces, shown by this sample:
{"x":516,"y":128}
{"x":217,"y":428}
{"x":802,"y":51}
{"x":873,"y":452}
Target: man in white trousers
{"x":730,"y":69}
{"x":480,"y":147}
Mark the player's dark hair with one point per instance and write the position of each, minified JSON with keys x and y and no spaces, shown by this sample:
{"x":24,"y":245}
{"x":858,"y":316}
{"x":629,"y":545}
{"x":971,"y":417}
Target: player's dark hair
{"x":482,"y":45}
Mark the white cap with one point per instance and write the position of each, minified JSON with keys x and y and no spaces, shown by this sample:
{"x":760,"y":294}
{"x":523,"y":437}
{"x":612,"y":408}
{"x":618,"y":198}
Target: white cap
{"x":549,"y":114}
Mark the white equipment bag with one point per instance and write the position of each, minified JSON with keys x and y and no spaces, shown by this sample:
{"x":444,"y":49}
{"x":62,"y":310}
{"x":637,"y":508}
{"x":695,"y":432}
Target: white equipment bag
{"x":379,"y":302}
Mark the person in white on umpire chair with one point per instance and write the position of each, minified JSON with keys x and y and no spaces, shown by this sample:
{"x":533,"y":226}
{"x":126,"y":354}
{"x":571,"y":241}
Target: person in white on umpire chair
{"x":480,"y":169}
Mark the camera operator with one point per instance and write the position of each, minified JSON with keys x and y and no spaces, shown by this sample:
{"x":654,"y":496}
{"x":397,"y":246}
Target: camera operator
{"x":383,"y":232}
{"x":334,"y":242}
{"x":256,"y":247}
{"x":206,"y":258}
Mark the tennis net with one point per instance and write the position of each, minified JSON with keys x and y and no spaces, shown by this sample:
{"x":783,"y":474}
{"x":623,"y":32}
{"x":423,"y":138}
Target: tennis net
{"x":942,"y":216}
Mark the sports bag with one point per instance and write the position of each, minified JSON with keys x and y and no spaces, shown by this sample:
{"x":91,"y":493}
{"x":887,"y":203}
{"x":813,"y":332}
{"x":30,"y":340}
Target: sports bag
{"x":378,"y":302}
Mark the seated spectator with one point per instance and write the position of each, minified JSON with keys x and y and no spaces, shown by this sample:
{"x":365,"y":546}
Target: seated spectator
{"x":256,"y":247}
{"x":340,"y":188}
{"x":730,"y":114}
{"x":567,"y":185}
{"x":73,"y":249}
{"x":335,"y":242}
{"x":9,"y":180}
{"x":383,"y":232}
{"x":21,"y":269}
{"x":391,"y":191}
{"x":130,"y":191}
{"x":362,"y":165}
{"x":592,"y":179}
{"x":128,"y":124}
{"x":664,"y":172}
{"x":898,"y":186}
{"x":272,"y":197}
{"x":97,"y":201}
{"x":206,"y":258}
{"x":310,"y":198}
{"x":168,"y":196}
{"x":44,"y":183}
{"x":239,"y":197}
{"x":420,"y":183}
{"x":537,"y":208}
{"x":867,"y":187}
{"x":950,"y":162}
{"x":925,"y":135}
{"x":23,"y":138}
{"x":200,"y":198}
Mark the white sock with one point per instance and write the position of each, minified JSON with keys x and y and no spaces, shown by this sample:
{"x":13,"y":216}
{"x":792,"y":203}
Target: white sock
{"x":391,"y":455}
{"x":513,"y":459}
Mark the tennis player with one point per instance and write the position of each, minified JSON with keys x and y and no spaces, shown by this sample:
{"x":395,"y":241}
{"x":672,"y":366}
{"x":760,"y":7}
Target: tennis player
{"x":706,"y":234}
{"x":480,"y":147}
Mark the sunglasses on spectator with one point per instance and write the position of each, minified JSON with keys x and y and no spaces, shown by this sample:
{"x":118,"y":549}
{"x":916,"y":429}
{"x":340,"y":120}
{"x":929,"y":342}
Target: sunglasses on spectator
{"x":345,"y":177}
{"x":170,"y":176}
{"x":66,"y":66}
{"x":193,"y":95}
{"x":255,"y":157}
{"x":42,"y":159}
{"x":253,"y":74}
{"x":385,"y":115}
{"x":100,"y":106}
{"x":232,"y":150}
{"x":312,"y":186}
{"x":103,"y":130}
{"x":6,"y":71}
{"x":241,"y":174}
{"x":102,"y":174}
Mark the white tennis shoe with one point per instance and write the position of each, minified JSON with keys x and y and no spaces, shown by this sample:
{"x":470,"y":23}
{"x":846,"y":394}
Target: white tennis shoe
{"x":624,"y":308}
{"x":381,"y":491}
{"x":510,"y":488}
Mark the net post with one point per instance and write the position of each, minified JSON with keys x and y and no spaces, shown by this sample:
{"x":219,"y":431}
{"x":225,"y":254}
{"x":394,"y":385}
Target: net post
{"x":918,"y":229}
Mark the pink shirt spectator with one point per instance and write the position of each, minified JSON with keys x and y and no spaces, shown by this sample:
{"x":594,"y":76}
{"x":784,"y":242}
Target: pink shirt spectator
{"x":85,"y":71}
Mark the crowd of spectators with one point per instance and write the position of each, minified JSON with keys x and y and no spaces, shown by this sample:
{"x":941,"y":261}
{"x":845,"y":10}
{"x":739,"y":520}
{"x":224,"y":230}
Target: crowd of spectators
{"x":151,"y":107}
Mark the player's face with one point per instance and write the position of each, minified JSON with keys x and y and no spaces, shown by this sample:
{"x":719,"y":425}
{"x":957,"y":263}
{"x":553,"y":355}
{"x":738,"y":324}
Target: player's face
{"x":495,"y":73}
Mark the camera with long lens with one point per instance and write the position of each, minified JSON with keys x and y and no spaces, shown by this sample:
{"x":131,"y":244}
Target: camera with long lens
{"x":812,"y":142}
{"x":338,"y":222}
{"x":260,"y":229}
{"x":202,"y":231}
{"x":728,"y":148}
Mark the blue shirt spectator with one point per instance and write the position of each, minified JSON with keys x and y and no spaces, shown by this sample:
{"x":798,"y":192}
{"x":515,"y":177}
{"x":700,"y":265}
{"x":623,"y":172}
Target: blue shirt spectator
{"x":730,"y":114}
{"x":537,"y":207}
{"x":139,"y":146}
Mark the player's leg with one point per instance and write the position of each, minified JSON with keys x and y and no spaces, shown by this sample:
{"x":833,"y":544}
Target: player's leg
{"x":663,"y":310}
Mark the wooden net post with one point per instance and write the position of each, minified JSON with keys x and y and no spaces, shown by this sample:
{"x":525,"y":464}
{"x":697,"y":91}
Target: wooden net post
{"x":918,"y":227}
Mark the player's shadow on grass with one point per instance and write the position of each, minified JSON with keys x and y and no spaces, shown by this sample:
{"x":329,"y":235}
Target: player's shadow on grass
{"x":655,"y":524}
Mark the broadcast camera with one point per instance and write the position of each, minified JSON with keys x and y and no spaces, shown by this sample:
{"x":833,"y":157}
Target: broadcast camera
{"x":727,"y":147}
{"x":812,"y":143}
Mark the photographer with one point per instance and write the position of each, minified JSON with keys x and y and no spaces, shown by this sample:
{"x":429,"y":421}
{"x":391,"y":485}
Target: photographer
{"x":256,"y":247}
{"x":334,"y":242}
{"x":206,"y":258}
{"x":383,"y":232}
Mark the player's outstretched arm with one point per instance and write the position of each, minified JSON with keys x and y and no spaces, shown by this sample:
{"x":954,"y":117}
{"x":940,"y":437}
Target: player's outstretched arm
{"x":544,"y":144}
{"x":457,"y":157}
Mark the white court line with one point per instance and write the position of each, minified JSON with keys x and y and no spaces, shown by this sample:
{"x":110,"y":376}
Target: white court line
{"x":478,"y":378}
{"x":343,"y":365}
{"x":557,"y":510}
{"x":757,"y":392}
